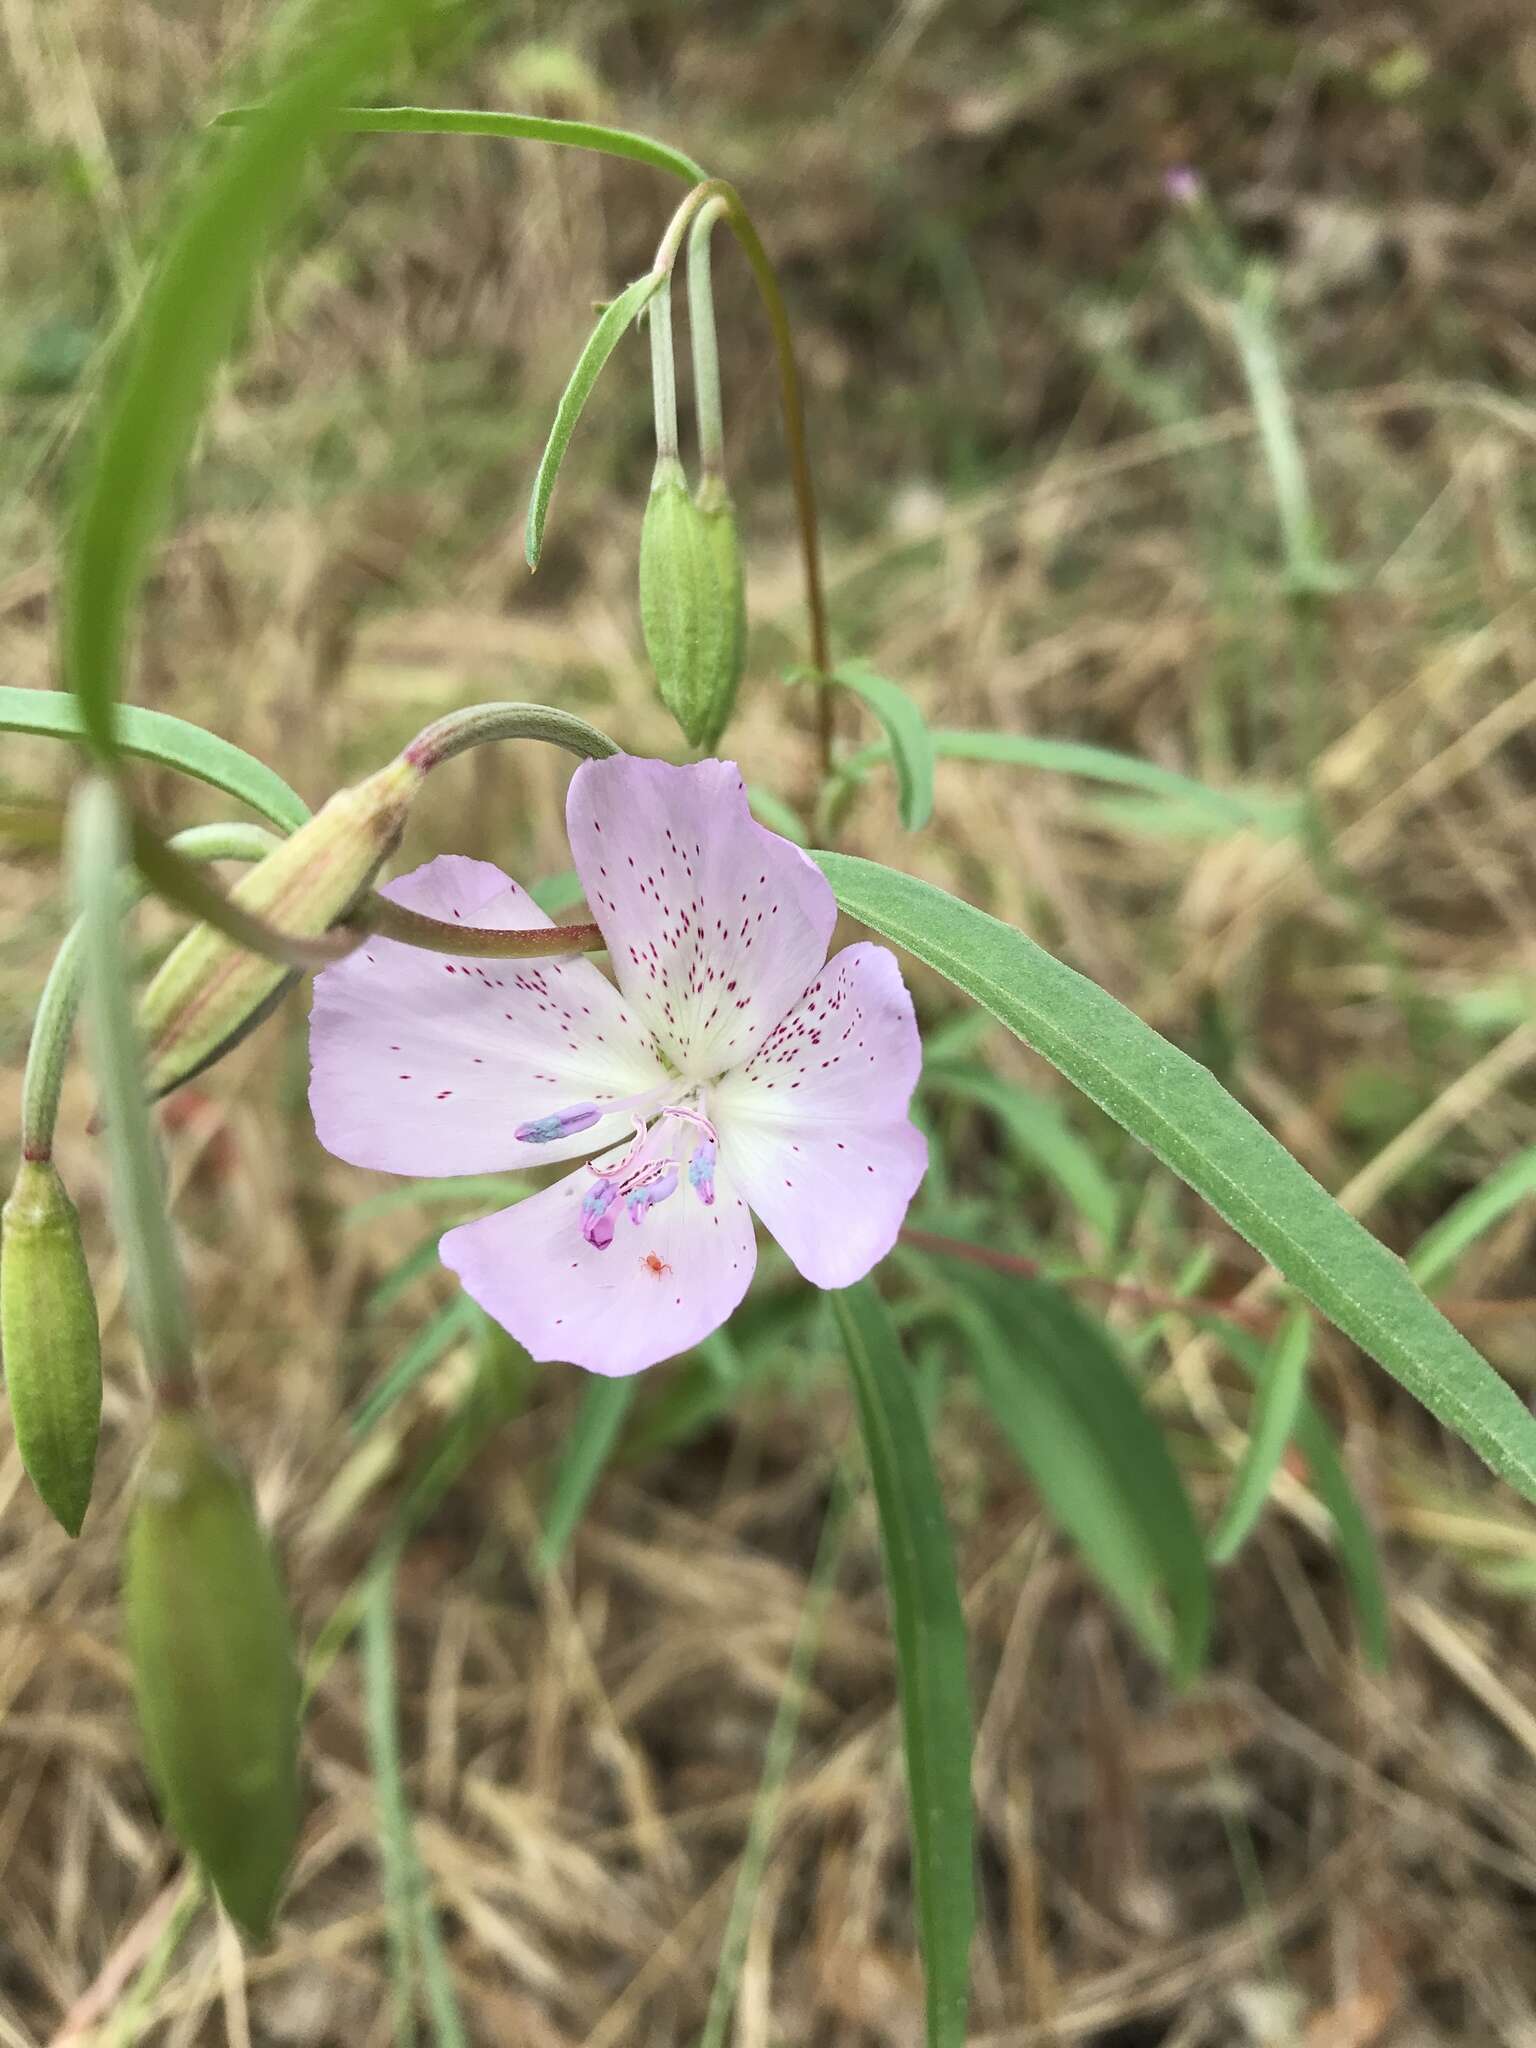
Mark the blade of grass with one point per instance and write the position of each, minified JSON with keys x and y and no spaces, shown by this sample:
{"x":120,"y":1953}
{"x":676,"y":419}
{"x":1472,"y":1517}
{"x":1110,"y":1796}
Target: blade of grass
{"x":1282,"y":1386}
{"x":182,"y":327}
{"x":433,"y":1341}
{"x":1438,"y":1250}
{"x":613,"y":322}
{"x":929,"y":1627}
{"x":587,"y":1449}
{"x":778,"y":1753}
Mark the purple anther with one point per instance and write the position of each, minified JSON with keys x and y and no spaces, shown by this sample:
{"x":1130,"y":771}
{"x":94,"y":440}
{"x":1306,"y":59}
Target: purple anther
{"x":650,"y":1192}
{"x":596,"y":1223}
{"x":564,"y":1123}
{"x":701,"y":1171}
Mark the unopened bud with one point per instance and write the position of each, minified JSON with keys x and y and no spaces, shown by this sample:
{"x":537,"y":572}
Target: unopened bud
{"x":214,"y":1669}
{"x":210,"y":991}
{"x":691,"y":609}
{"x":49,"y":1341}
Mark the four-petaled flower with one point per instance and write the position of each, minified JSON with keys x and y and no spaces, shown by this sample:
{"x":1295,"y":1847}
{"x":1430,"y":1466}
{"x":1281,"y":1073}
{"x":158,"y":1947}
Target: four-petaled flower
{"x":733,"y":1069}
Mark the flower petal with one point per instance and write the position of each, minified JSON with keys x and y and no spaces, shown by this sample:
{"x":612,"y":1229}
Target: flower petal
{"x":421,"y":1064}
{"x":714,"y":925}
{"x":814,"y":1128}
{"x":660,"y":1286}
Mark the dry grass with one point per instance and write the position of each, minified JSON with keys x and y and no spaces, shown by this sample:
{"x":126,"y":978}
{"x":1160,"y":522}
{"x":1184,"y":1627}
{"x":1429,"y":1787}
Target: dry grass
{"x":966,"y":208}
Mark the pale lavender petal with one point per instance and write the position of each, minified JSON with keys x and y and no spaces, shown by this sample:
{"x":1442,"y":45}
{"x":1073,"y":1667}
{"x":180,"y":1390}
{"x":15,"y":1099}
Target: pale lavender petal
{"x":814,"y":1129}
{"x":661,"y":1284}
{"x":421,"y":1064}
{"x":714,"y":925}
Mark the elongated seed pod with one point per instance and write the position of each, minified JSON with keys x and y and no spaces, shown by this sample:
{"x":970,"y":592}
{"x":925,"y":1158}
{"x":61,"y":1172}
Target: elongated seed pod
{"x":49,"y":1341}
{"x":214,"y":1670}
{"x":209,"y":990}
{"x":690,"y":627}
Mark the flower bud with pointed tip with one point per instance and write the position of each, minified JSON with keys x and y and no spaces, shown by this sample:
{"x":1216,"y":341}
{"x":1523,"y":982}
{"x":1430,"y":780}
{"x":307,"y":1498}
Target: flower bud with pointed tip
{"x":689,"y":611}
{"x":49,"y":1341}
{"x":214,"y":1669}
{"x":209,"y":990}
{"x":714,"y":502}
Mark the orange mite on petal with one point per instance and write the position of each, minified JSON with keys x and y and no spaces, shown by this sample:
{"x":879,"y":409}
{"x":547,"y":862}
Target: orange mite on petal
{"x":654,"y":1265}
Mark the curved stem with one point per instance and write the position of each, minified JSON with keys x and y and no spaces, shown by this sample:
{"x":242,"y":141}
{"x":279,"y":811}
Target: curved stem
{"x":98,"y":850}
{"x":708,"y":410}
{"x":592,"y":135}
{"x":460,"y":730}
{"x":57,"y":1007}
{"x":658,"y":316}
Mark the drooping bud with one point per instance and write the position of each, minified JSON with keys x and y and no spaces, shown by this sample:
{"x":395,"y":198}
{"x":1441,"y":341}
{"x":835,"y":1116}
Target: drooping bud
{"x":214,"y":1670}
{"x":714,"y":501}
{"x":49,"y":1341}
{"x":690,"y":605}
{"x":210,"y":991}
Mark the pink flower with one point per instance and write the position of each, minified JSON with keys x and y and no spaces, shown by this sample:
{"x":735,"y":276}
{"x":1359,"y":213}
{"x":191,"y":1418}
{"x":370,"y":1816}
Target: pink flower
{"x":734,"y":1069}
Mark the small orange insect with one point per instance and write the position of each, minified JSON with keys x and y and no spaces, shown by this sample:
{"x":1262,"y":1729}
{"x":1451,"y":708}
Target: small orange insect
{"x":654,"y":1265}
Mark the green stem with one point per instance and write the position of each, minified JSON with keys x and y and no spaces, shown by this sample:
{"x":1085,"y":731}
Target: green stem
{"x":658,"y":315}
{"x":708,"y":410}
{"x":60,"y":1000}
{"x":98,"y":851}
{"x":460,"y":730}
{"x":593,"y":135}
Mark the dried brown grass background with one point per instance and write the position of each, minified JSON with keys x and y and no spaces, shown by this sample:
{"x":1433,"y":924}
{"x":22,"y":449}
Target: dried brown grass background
{"x":964,"y":197}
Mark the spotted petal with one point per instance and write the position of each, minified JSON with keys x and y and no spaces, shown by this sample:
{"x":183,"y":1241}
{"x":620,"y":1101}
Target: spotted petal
{"x":421,"y":1064}
{"x":714,"y":925}
{"x":814,"y":1128}
{"x":660,"y":1286}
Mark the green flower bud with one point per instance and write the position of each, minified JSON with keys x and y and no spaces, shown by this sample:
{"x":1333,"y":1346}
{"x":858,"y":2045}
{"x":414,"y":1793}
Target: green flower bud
{"x":49,"y":1341}
{"x":214,"y":1669}
{"x":210,"y":991}
{"x":714,"y":501}
{"x":691,"y":604}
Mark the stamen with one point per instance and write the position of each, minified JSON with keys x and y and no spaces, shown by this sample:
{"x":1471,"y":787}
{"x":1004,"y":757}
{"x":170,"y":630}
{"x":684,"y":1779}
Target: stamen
{"x":596,"y":1223}
{"x":701,"y":1171}
{"x":563,"y":1123}
{"x":660,"y":1181}
{"x":621,"y":1166}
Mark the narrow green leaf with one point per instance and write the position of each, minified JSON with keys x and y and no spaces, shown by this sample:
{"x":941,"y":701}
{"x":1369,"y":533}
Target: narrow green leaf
{"x":181,"y":328}
{"x":1229,"y":809}
{"x":1358,"y":1552}
{"x":156,"y":736}
{"x":433,"y":1341}
{"x":587,"y":1450}
{"x":1053,"y":1379}
{"x":929,"y":1628}
{"x":1183,"y":1115}
{"x":1042,"y":1134}
{"x":601,"y":343}
{"x":416,"y":1940}
{"x":1282,"y":1384}
{"x":1461,"y":1225}
{"x":591,"y":135}
{"x":907,"y":737}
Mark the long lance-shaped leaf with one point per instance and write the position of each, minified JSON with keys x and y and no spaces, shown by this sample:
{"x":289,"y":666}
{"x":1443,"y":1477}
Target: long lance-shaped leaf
{"x":593,"y":135}
{"x":1051,"y":1375}
{"x":1181,"y":1112}
{"x":181,"y":328}
{"x":156,"y":736}
{"x":930,"y":1652}
{"x":601,"y":343}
